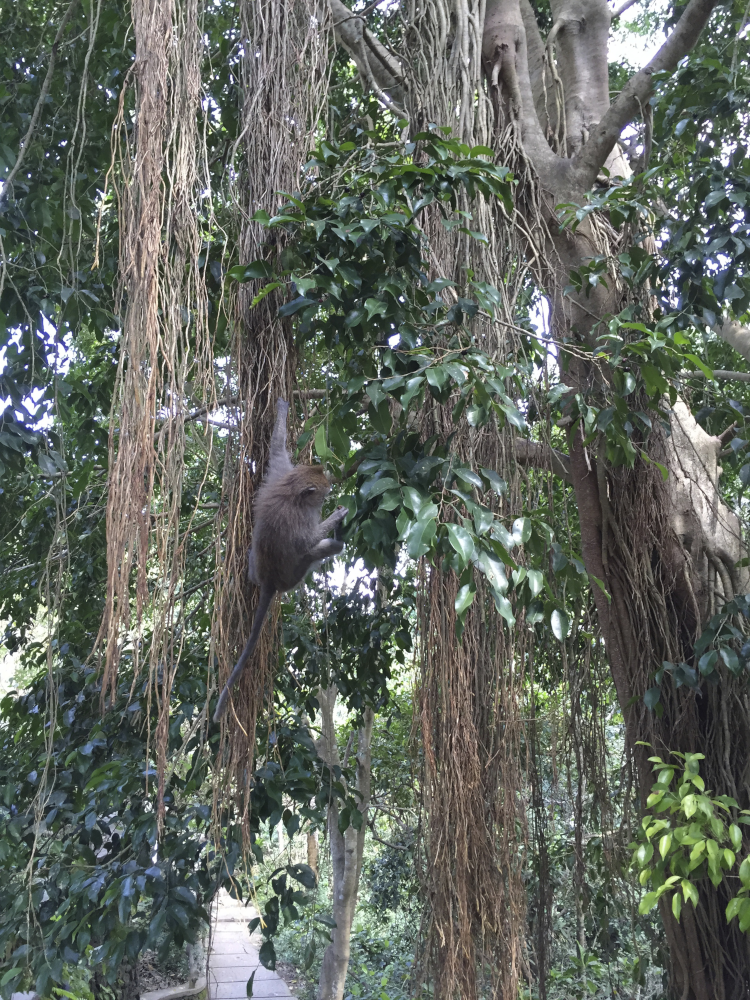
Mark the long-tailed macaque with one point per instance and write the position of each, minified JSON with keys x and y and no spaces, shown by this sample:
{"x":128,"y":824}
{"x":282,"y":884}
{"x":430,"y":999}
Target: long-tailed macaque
{"x":289,"y":538}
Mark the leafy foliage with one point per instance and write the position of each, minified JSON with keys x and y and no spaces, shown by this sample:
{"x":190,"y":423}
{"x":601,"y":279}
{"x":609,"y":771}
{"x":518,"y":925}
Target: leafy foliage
{"x":696,"y":840}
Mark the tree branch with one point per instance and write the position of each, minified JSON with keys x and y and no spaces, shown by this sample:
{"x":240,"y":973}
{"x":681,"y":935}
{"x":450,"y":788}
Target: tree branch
{"x":736,"y":335}
{"x":26,"y":141}
{"x":378,"y":69}
{"x":720,"y":373}
{"x":637,"y":90}
{"x":505,"y":60}
{"x":542,"y":456}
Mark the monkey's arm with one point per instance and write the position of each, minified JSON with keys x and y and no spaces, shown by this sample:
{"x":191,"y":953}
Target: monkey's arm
{"x":326,"y":547}
{"x":332,"y":522}
{"x":279,"y":462}
{"x":264,"y":603}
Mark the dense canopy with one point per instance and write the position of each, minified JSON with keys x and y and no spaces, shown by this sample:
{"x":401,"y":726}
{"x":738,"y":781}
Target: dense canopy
{"x":495,"y":254}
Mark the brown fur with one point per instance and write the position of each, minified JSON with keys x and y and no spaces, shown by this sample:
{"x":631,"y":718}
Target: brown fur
{"x":287,"y":525}
{"x":289,"y":538}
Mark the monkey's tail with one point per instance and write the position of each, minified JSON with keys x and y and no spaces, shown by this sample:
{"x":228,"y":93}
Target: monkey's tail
{"x":264,"y":603}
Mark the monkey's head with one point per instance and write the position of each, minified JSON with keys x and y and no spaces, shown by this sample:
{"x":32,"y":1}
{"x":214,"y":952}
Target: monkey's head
{"x":312,"y":486}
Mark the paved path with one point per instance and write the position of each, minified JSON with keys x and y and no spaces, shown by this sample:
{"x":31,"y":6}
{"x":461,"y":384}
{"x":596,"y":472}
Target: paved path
{"x":234,"y":957}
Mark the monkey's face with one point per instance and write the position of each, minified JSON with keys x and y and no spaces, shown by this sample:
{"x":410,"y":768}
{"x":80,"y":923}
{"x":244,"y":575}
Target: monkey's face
{"x":314,"y":486}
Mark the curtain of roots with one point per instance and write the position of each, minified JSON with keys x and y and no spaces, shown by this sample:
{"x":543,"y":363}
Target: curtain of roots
{"x":650,"y":619}
{"x":476,"y":726}
{"x":166,"y":356}
{"x":284,"y":51}
{"x":470,"y":691}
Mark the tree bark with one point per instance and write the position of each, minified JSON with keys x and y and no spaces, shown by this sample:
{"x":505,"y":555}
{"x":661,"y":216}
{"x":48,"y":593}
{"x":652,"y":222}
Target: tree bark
{"x":347,"y":848}
{"x":662,"y":556}
{"x":313,"y":852}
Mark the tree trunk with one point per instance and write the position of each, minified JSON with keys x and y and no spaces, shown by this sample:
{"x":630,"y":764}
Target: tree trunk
{"x":347,"y":848}
{"x":313,"y":851}
{"x":665,"y":553}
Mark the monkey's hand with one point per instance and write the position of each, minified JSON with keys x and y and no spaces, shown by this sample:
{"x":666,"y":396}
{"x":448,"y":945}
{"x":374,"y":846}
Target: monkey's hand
{"x":333,"y":520}
{"x":342,"y":511}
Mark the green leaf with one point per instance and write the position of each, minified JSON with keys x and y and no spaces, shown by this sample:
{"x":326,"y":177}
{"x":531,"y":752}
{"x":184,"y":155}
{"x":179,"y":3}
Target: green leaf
{"x":501,"y":534}
{"x":535,"y":579}
{"x":461,"y":541}
{"x":266,"y":290}
{"x":700,"y":364}
{"x":374,"y":487}
{"x":470,"y":478}
{"x":690,"y":805}
{"x":513,"y":415}
{"x":420,"y":536}
{"x":521,"y":530}
{"x":652,"y":697}
{"x":375,"y":307}
{"x":676,"y":906}
{"x":689,"y":892}
{"x":413,"y":499}
{"x":504,"y":608}
{"x":730,"y":658}
{"x":344,"y":819}
{"x":494,"y":570}
{"x":309,"y":954}
{"x":665,"y":843}
{"x":11,"y":974}
{"x":321,"y":446}
{"x":248,"y":272}
{"x":497,"y":483}
{"x":648,"y":902}
{"x":464,"y":598}
{"x":560,"y":624}
{"x":249,"y":984}
{"x":437,"y":376}
{"x":304,"y":875}
{"x":735,"y":835}
{"x":267,"y":955}
{"x":733,"y":908}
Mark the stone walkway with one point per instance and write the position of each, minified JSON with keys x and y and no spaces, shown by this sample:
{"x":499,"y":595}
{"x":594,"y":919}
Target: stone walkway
{"x":234,"y":957}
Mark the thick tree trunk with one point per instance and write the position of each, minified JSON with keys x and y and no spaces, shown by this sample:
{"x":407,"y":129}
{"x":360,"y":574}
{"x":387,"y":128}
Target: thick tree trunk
{"x":666,"y":553}
{"x":347,"y":848}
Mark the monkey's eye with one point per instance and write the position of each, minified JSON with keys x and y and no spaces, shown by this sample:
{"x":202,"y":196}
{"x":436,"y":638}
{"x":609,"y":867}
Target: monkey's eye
{"x":310,"y":489}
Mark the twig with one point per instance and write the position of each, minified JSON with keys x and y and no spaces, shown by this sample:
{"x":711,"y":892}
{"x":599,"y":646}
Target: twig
{"x":385,"y":843}
{"x":622,"y":8}
{"x":198,"y":586}
{"x":26,"y":141}
{"x":725,"y":435}
{"x":197,"y":414}
{"x":369,"y":8}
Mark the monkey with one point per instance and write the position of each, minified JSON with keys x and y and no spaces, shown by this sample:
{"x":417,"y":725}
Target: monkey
{"x":289,"y":538}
